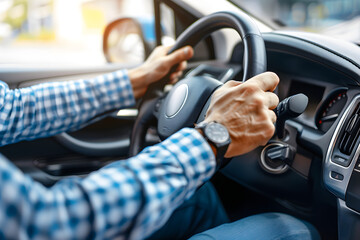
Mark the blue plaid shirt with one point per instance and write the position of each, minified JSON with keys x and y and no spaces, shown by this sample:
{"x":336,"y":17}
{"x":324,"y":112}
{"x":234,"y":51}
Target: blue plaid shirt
{"x":125,"y":200}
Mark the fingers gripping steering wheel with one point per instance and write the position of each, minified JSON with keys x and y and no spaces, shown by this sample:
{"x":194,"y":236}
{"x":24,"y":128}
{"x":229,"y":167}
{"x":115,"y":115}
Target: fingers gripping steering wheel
{"x":188,"y":100}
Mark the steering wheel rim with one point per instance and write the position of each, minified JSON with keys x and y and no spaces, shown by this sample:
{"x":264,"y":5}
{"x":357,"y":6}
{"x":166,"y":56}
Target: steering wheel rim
{"x":254,"y":63}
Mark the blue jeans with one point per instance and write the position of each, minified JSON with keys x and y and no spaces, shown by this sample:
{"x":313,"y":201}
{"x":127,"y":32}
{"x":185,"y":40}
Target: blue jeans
{"x":266,"y":226}
{"x":201,"y":212}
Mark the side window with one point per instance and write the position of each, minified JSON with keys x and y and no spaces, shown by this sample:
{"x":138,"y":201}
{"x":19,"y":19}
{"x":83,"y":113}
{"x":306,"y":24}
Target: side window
{"x":168,"y":25}
{"x":173,"y":20}
{"x":62,"y":32}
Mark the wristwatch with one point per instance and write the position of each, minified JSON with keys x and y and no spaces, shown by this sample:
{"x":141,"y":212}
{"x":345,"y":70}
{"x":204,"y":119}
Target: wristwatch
{"x":218,"y":136}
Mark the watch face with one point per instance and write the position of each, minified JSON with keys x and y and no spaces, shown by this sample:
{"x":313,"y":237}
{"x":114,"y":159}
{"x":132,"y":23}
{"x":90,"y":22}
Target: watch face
{"x":217,"y":133}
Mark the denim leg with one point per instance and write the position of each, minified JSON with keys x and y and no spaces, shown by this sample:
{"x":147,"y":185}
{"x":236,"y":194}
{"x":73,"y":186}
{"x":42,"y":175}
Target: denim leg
{"x":201,"y":212}
{"x":266,"y":226}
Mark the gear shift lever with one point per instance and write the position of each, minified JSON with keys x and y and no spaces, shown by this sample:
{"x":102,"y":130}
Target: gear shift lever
{"x":290,"y":107}
{"x":276,"y":156}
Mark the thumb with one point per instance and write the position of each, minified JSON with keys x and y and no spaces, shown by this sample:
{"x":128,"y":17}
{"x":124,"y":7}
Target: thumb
{"x":182,"y":54}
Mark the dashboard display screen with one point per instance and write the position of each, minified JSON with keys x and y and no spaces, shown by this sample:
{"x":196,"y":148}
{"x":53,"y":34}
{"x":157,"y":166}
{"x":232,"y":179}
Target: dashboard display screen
{"x":313,"y":92}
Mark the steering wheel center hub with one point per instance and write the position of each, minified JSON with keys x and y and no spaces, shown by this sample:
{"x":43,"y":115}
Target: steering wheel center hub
{"x":177,"y":100}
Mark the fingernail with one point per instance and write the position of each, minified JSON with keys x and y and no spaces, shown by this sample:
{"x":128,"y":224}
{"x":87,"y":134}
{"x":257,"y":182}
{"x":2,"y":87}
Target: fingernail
{"x":187,"y":50}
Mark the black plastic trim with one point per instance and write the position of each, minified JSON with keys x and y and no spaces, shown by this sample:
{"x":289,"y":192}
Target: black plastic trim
{"x":320,"y":46}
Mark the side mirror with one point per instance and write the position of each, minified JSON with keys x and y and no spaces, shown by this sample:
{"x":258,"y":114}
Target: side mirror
{"x":124,"y":42}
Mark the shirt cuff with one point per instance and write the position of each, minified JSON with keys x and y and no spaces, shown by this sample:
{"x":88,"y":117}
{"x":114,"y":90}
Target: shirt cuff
{"x":194,"y":155}
{"x":123,"y":88}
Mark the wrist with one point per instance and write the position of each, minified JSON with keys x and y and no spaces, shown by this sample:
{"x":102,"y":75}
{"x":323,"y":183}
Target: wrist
{"x":138,"y":80}
{"x":136,"y":74}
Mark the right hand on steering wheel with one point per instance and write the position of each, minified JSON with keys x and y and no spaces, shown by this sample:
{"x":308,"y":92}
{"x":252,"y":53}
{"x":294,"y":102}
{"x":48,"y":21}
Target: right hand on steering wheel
{"x":246,"y":110}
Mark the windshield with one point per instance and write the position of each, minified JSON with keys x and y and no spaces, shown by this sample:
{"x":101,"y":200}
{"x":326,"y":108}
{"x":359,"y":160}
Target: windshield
{"x":337,"y":18}
{"x":69,"y":32}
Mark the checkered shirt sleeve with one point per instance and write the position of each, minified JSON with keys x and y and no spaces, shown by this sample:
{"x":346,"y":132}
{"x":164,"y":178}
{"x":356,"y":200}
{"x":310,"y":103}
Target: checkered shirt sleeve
{"x":125,"y":200}
{"x":51,"y":108}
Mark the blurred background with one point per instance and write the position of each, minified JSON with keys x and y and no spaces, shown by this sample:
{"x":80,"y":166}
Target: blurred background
{"x":70,"y":31}
{"x":338,"y":18}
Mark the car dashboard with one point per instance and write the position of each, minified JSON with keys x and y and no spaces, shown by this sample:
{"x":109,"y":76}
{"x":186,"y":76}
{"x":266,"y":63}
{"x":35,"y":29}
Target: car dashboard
{"x":325,"y":169}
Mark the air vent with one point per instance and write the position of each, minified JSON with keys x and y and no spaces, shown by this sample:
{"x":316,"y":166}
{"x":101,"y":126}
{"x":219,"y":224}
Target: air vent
{"x":351,"y":132}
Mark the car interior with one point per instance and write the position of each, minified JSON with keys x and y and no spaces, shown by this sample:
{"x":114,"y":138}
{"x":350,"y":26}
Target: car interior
{"x":310,"y":169}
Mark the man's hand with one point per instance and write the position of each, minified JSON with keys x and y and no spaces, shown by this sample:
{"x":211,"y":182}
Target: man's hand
{"x":157,"y":66}
{"x":245,"y":109}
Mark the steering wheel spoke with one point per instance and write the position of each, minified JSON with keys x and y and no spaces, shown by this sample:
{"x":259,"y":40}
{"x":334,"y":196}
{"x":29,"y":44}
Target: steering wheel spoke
{"x":157,"y":106}
{"x":146,"y":118}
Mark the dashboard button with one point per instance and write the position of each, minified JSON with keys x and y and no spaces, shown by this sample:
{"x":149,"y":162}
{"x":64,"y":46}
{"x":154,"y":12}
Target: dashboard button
{"x":341,"y":161}
{"x":337,"y":176}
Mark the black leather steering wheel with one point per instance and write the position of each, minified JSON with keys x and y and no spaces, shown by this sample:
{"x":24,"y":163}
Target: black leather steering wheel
{"x":188,"y":100}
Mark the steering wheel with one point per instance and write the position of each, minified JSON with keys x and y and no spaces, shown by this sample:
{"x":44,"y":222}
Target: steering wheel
{"x":188,"y":100}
